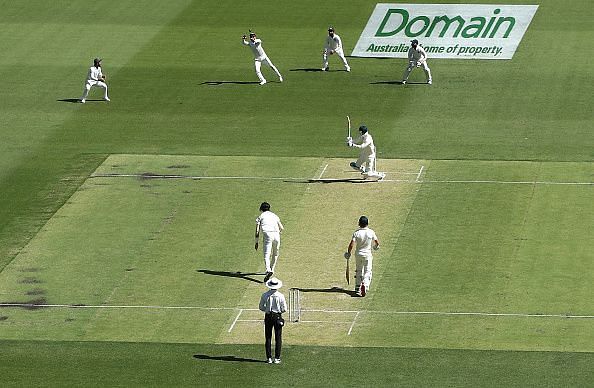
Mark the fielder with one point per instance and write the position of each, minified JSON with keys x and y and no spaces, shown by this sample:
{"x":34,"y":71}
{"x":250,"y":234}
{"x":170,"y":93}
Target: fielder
{"x":95,"y":77}
{"x":417,"y":57}
{"x":333,"y":45}
{"x":260,"y":57}
{"x":271,"y":227}
{"x":367,"y":157}
{"x":362,"y":240}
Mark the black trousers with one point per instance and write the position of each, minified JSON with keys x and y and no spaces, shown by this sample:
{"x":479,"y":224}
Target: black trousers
{"x":273,"y":321}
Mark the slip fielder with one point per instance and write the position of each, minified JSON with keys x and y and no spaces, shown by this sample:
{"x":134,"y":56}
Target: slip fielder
{"x":333,"y":45}
{"x":260,"y":57}
{"x":417,"y":57}
{"x":95,"y":77}
{"x":362,"y":241}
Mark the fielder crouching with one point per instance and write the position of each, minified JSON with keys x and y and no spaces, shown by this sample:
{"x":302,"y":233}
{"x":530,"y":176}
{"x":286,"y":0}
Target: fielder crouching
{"x":362,"y":240}
{"x":367,"y":157}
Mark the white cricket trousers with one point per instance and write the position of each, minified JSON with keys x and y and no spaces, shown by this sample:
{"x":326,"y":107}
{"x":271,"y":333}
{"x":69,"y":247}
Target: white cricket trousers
{"x":366,"y":162}
{"x":271,"y":248}
{"x":412,"y":65}
{"x":88,"y":86}
{"x":338,"y":52}
{"x":363,"y":270}
{"x":258,"y":64}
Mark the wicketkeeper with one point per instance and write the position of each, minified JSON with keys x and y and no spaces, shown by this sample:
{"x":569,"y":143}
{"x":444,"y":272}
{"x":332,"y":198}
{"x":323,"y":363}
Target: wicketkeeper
{"x":367,"y":156}
{"x":417,"y":57}
{"x":362,"y":240}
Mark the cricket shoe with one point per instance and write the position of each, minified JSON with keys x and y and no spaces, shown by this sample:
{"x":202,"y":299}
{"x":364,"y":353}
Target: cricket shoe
{"x":327,"y":68}
{"x":354,"y":165}
{"x":277,"y":361}
{"x":268,"y":276}
{"x":269,"y":361}
{"x":82,"y":101}
{"x":107,"y":99}
{"x":429,"y":82}
{"x":348,"y":69}
{"x":263,"y":82}
{"x":403,"y":82}
{"x":280,"y":78}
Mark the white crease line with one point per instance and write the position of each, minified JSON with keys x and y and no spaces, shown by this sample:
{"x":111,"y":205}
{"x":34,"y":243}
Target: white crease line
{"x":451,"y":313}
{"x":235,"y":321}
{"x":419,"y":174}
{"x":353,"y":324}
{"x":323,"y":171}
{"x":308,"y":179}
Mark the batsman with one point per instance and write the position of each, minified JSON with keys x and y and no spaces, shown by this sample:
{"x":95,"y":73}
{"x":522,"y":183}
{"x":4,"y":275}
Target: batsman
{"x":362,"y":240}
{"x":367,"y":156}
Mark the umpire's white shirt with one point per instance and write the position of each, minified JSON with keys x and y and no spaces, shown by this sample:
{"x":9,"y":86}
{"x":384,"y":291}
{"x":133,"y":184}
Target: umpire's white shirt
{"x":363,"y":239}
{"x":273,"y":301}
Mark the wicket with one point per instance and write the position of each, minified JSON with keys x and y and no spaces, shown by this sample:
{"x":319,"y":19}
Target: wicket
{"x":294,"y":305}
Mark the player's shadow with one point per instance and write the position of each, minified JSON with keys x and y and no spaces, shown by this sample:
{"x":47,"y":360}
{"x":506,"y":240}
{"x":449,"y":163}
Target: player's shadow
{"x":76,"y":100}
{"x":333,"y":180}
{"x":330,"y":290}
{"x":225,"y":358}
{"x":396,"y":83}
{"x":236,"y":274}
{"x":308,"y":70}
{"x":216,"y":83}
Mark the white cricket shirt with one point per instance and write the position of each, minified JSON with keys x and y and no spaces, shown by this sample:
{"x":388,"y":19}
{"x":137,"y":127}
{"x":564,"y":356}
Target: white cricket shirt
{"x":333,"y":43}
{"x":95,"y":74}
{"x":273,"y":301}
{"x":416,"y":54}
{"x":256,"y":47}
{"x":268,"y":222}
{"x":363,"y":239}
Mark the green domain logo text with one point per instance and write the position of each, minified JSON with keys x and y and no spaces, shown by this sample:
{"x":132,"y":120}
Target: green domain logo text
{"x":456,"y":26}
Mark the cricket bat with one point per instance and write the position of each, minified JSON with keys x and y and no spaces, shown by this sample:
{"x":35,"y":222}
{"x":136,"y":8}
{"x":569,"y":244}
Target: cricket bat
{"x":347,"y":273}
{"x":348,"y":126}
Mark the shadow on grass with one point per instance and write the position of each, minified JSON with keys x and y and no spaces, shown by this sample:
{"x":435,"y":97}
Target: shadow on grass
{"x":215,"y":83}
{"x":331,"y":290}
{"x":333,"y":180}
{"x":226,"y":358}
{"x":396,"y":83}
{"x":237,"y":274}
{"x":76,"y":100}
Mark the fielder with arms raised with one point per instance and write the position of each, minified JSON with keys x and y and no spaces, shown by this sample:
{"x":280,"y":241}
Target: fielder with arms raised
{"x":260,"y":57}
{"x":271,"y":227}
{"x":362,"y":241}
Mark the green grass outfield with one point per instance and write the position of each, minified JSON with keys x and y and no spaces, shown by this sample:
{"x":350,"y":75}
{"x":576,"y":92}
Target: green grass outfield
{"x":485,"y":273}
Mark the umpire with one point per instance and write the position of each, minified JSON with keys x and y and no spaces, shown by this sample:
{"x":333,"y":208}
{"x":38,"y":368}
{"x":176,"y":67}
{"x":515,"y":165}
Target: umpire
{"x":273,"y":304}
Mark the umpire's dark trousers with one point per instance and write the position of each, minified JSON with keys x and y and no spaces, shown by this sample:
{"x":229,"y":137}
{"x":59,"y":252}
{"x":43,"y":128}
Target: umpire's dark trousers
{"x":273,"y":321}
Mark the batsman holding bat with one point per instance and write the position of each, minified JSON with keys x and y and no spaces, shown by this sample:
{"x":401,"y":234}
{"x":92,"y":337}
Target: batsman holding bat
{"x":362,"y":241}
{"x":367,"y":157}
{"x":95,"y":77}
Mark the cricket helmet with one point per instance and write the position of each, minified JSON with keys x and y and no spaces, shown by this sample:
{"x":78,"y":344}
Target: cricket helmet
{"x":414,"y":42}
{"x":264,"y":207}
{"x":363,"y":129}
